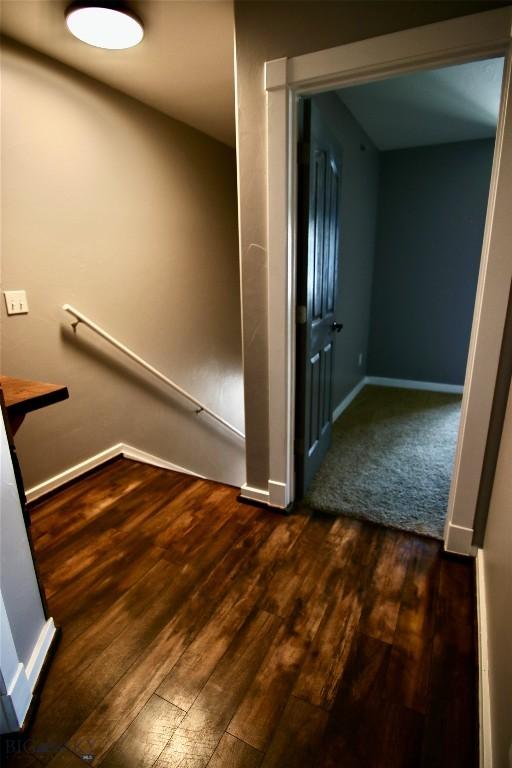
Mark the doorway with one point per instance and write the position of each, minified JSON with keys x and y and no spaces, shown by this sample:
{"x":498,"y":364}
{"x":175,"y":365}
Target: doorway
{"x":452,"y":42}
{"x":393,"y":187}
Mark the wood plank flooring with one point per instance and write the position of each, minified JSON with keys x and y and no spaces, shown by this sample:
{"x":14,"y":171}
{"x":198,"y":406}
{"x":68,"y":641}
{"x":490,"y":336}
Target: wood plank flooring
{"x":198,"y":631}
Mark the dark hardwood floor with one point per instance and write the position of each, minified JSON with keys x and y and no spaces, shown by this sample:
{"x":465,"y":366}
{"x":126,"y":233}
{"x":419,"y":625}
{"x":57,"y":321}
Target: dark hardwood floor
{"x":198,"y":631}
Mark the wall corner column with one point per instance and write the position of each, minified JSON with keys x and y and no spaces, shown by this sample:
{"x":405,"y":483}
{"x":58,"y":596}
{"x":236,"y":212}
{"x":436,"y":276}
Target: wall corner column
{"x":281,"y":280}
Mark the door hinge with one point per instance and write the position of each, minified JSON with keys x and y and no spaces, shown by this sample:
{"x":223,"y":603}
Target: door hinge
{"x":302,"y":314}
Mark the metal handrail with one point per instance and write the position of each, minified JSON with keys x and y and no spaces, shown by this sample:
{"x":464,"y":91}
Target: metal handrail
{"x":80,"y":318}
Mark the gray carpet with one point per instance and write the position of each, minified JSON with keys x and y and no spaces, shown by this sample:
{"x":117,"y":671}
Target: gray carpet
{"x":391,"y":460}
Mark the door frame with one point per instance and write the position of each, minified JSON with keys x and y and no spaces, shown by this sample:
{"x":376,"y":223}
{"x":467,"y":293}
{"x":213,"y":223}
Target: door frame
{"x":467,"y":38}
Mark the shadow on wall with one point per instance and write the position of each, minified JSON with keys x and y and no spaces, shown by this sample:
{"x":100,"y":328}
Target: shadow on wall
{"x":164,"y":397}
{"x":131,"y":217}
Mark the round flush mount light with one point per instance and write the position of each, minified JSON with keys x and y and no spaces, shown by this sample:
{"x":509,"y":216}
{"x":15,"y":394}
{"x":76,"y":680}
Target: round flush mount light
{"x":104,"y":26}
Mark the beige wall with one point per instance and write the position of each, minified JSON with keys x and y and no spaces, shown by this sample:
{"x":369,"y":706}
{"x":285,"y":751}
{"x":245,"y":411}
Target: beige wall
{"x":265,"y":31}
{"x":131,"y":217}
{"x":497,"y":559}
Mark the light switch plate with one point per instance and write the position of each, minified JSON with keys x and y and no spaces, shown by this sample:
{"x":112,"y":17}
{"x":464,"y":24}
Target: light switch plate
{"x":16,"y":302}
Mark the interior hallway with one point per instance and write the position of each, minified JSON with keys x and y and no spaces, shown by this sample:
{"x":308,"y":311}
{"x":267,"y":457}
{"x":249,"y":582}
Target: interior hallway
{"x":199,"y":631}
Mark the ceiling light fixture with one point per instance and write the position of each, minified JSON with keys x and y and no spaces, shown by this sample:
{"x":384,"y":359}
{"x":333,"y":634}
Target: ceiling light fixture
{"x":103,"y":25}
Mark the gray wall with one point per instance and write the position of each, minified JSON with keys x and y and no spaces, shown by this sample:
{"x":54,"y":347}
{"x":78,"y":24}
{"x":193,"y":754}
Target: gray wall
{"x":358,"y":160}
{"x":131,"y":217}
{"x":432,"y":207}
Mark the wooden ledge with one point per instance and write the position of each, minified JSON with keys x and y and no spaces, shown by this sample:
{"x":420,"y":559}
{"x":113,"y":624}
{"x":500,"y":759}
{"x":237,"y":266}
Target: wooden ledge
{"x":21,"y":396}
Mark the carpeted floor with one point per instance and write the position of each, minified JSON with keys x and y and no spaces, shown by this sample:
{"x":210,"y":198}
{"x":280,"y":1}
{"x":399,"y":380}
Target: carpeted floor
{"x":391,"y":460}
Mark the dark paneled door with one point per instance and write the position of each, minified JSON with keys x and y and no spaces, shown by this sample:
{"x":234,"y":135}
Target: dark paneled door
{"x":318,"y":242}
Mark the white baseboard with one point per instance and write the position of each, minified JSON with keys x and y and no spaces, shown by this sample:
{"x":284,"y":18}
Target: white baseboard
{"x":348,"y":399}
{"x":458,"y":539}
{"x":73,"y":472}
{"x":254,"y":494}
{"x":19,"y":696}
{"x":147,"y":458}
{"x":121,"y":449}
{"x":431,"y":386}
{"x":41,"y":648}
{"x":277,"y":496}
{"x":484,"y":698}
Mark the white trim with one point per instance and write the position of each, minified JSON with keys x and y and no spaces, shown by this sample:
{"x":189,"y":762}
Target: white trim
{"x":21,"y":680}
{"x":121,"y":449}
{"x":254,"y":494}
{"x":459,"y":540}
{"x":277,"y":496}
{"x":22,"y":688}
{"x":16,"y":701}
{"x":468,"y":37}
{"x":484,"y":698}
{"x":16,"y":694}
{"x":381,"y":381}
{"x":276,"y":73}
{"x":348,"y":399}
{"x":147,"y":458}
{"x":488,"y":324}
{"x":41,"y":648}
{"x":281,"y":199}
{"x":239,"y":213}
{"x":449,"y":42}
{"x":73,"y":472}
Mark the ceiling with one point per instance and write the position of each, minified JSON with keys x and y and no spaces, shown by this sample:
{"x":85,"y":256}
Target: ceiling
{"x":456,"y":103}
{"x":183,"y":67}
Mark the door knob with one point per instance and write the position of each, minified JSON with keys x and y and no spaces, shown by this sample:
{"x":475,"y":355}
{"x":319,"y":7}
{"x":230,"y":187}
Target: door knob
{"x":337,"y":326}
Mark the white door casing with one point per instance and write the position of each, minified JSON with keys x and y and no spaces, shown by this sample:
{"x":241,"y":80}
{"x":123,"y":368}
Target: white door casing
{"x":468,"y":38}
